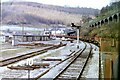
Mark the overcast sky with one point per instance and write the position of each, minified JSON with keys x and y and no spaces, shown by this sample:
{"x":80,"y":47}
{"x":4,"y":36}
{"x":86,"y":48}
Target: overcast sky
{"x":98,"y":4}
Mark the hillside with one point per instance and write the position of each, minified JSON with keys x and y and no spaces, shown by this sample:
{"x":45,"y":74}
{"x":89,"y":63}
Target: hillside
{"x":36,"y":14}
{"x":108,"y":30}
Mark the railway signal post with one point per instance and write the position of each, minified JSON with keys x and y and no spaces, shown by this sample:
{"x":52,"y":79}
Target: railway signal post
{"x":78,"y":33}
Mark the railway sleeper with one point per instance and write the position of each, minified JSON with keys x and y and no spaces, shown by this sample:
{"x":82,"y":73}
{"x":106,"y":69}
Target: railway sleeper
{"x":81,"y":62}
{"x":68,"y":76}
{"x":76,"y":66}
{"x":72,"y":76}
{"x":72,"y":70}
{"x":64,"y":78}
{"x":78,"y":62}
{"x":71,"y":73}
{"x":75,"y":72}
{"x":80,"y":58}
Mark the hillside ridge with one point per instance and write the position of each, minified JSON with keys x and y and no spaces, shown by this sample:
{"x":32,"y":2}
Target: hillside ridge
{"x":31,"y":13}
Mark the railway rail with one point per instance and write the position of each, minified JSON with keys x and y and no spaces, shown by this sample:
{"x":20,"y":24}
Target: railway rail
{"x":70,"y":57}
{"x":25,"y":56}
{"x":74,"y":57}
{"x":75,"y":68}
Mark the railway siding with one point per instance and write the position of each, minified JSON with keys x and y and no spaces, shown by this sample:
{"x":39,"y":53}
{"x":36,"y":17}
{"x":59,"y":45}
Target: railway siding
{"x":8,"y":61}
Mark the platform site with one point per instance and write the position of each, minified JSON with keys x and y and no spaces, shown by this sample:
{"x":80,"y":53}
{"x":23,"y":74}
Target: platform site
{"x":51,"y":42}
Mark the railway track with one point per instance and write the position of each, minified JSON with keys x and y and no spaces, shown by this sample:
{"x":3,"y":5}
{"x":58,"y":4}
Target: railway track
{"x":75,"y":67}
{"x":70,"y":57}
{"x":25,"y":56}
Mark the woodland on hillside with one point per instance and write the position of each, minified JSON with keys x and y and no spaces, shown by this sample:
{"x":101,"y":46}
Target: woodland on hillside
{"x":107,"y":30}
{"x":36,"y":14}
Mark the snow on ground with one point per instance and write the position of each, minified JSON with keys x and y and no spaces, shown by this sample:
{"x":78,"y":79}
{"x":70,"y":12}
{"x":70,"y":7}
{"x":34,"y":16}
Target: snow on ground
{"x":93,"y":69}
{"x":34,"y":73}
{"x":2,"y":69}
{"x":7,"y":50}
{"x":54,"y":71}
{"x":51,"y":42}
{"x":60,"y":53}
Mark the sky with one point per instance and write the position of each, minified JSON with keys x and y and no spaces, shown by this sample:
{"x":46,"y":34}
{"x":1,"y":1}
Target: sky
{"x":97,"y":4}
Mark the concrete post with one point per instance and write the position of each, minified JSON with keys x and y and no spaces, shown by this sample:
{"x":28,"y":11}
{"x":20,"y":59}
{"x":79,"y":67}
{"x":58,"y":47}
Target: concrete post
{"x":14,"y":41}
{"x":78,"y":35}
{"x":6,"y":38}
